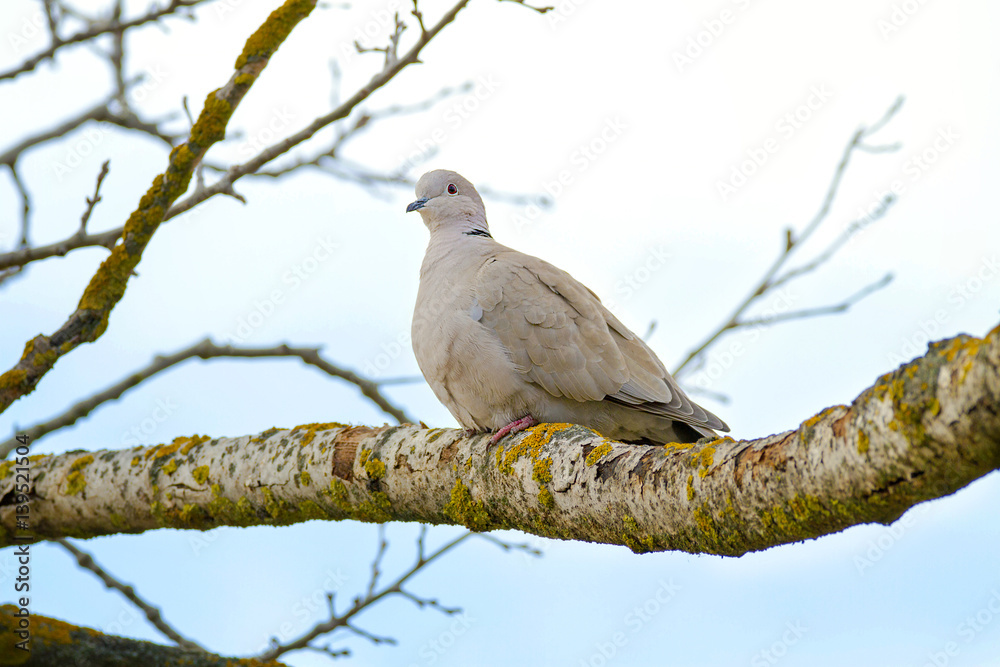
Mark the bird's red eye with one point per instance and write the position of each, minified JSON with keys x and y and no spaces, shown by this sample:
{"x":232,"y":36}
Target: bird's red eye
{"x":452,"y":190}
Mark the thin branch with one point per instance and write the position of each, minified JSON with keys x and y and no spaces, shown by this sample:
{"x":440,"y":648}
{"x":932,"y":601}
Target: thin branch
{"x":511,"y":546}
{"x":841,"y":307}
{"x":107,"y":286}
{"x":95,"y":30}
{"x":365,"y":121}
{"x":92,"y":201}
{"x":771,"y":278}
{"x":225,"y":184}
{"x":205,"y":349}
{"x":433,"y":603}
{"x":25,"y":205}
{"x":87,"y":562}
{"x":360,"y":604}
{"x":100,"y":112}
{"x":523,"y":3}
{"x":383,"y":544}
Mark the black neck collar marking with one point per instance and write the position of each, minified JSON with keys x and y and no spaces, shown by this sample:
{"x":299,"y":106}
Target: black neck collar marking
{"x":479,"y":232}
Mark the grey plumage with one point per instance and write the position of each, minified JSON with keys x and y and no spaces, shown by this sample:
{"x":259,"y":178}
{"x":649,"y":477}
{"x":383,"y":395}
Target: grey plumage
{"x":501,"y":335}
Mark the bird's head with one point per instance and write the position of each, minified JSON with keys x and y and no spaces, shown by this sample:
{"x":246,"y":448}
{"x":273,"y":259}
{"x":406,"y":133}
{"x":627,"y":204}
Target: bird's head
{"x":446,"y":199}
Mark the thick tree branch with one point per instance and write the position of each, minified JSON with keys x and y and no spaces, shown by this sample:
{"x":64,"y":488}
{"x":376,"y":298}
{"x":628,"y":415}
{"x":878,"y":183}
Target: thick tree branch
{"x":152,"y":613}
{"x":107,"y":287}
{"x":206,"y":349}
{"x":921,"y":432}
{"x":56,"y":643}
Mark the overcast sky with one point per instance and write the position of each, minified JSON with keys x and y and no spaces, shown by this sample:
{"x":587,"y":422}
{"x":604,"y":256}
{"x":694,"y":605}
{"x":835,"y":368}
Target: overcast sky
{"x":678,"y":141}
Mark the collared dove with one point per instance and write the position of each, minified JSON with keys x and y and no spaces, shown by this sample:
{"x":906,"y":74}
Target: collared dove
{"x":507,"y":340}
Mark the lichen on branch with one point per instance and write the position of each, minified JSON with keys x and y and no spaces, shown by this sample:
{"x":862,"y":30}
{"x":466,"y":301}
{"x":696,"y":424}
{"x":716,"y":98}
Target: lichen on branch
{"x":107,"y":287}
{"x":921,"y":432}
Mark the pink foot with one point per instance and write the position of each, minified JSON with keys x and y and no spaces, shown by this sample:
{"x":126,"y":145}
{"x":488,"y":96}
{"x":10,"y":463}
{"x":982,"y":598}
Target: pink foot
{"x":514,"y":427}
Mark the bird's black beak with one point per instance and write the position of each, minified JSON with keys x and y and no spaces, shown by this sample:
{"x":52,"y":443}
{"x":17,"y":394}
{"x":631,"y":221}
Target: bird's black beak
{"x":416,"y":205}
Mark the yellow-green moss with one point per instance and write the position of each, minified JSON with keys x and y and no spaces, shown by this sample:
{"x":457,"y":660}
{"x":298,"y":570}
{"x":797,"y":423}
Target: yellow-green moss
{"x":82,"y":462}
{"x":961,"y":344}
{"x":464,"y":509}
{"x":542,"y":470}
{"x":862,"y":442}
{"x":170,"y":467}
{"x":75,"y":483}
{"x":703,"y":460}
{"x":165,"y":450}
{"x":690,"y":487}
{"x":266,"y":40}
{"x":191,"y":442}
{"x":13,"y":379}
{"x":200,"y":474}
{"x":136,"y":460}
{"x":338,"y":493}
{"x":311,"y":429}
{"x":597,"y":453}
{"x":531,"y":445}
{"x":545,"y":498}
{"x":311,"y":511}
{"x":210,"y":127}
{"x":632,"y":537}
{"x":375,"y":468}
{"x":305,"y":478}
{"x":271,"y":503}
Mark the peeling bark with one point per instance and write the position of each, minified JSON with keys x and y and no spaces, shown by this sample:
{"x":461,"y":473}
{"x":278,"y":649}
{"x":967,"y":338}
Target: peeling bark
{"x":921,"y":432}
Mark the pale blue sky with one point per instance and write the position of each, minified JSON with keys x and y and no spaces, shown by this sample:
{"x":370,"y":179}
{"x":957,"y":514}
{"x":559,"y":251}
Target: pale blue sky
{"x":599,"y":94}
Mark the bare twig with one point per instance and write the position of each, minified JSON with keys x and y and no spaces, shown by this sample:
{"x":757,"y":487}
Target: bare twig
{"x":821,"y":310}
{"x":360,"y":604}
{"x":87,"y":562}
{"x":523,"y":3}
{"x":95,"y":29}
{"x":206,"y":349}
{"x":225,"y":184}
{"x":773,"y":277}
{"x":92,"y":201}
{"x":383,"y":544}
{"x":107,"y":286}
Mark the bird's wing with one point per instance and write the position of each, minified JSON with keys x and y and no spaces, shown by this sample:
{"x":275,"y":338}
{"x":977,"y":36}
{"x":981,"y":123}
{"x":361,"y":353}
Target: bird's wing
{"x":561,"y":337}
